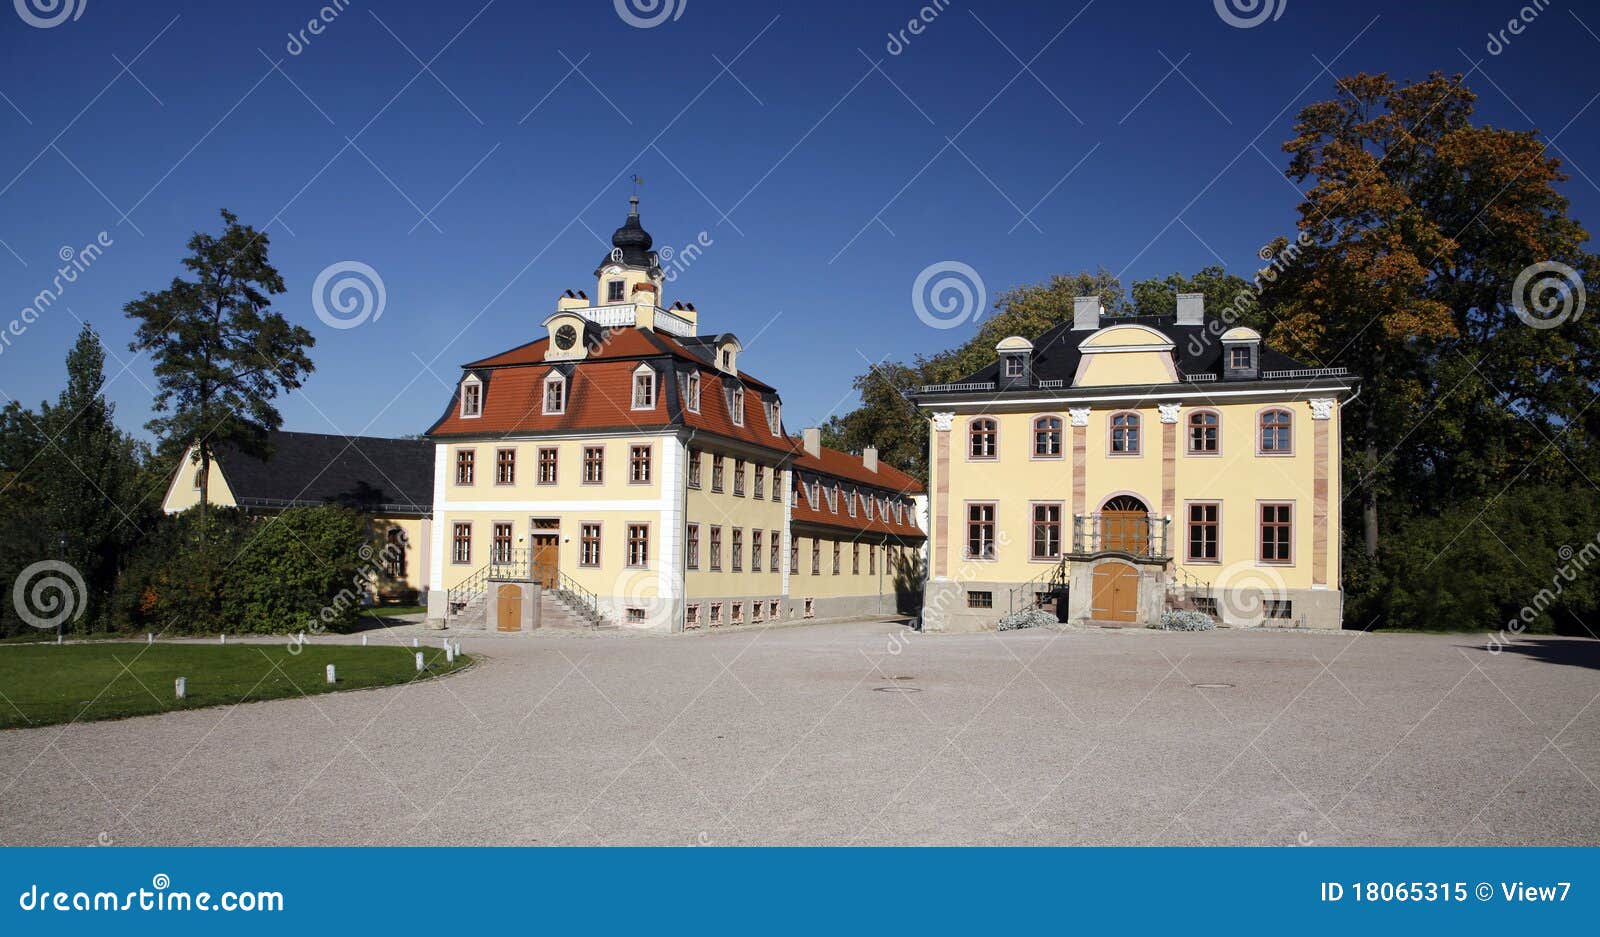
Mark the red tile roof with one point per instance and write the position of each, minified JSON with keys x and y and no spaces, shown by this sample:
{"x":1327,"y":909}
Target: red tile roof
{"x":805,"y":512}
{"x":845,"y":465}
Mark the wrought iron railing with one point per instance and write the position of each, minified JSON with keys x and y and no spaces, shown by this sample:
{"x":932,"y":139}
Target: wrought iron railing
{"x":1052,"y":581}
{"x":582,"y":600}
{"x":513,"y":563}
{"x":1140,"y":536}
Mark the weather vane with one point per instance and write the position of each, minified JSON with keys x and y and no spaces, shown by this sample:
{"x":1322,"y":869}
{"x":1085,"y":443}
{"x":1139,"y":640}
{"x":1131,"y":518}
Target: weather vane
{"x":637,"y":181}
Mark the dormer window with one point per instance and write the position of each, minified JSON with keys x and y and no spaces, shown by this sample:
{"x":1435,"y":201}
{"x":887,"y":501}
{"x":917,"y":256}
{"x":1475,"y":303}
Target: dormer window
{"x":1014,"y":366}
{"x":471,"y":398}
{"x":727,"y":359}
{"x":693,"y":394}
{"x":644,"y":388}
{"x":555,"y":394}
{"x":775,"y":418}
{"x":737,"y":410}
{"x":614,"y":290}
{"x":1241,"y":354}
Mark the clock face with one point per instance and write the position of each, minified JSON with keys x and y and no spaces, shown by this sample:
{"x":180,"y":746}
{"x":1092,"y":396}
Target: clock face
{"x":566,"y":337}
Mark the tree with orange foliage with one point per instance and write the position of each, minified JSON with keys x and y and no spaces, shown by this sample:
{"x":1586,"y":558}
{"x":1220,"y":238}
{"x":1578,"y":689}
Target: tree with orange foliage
{"x":1421,"y":223}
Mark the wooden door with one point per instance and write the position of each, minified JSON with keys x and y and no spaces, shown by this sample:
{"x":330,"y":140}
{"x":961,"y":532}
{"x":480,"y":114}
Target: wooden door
{"x":1125,"y":532}
{"x":546,"y":549}
{"x":508,"y":606}
{"x":1116,"y":592}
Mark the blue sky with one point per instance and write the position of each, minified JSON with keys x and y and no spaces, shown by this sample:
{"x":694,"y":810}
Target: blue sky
{"x":827,"y":170}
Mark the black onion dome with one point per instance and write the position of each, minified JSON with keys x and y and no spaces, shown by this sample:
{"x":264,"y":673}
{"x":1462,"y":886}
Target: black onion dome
{"x":632,"y":240}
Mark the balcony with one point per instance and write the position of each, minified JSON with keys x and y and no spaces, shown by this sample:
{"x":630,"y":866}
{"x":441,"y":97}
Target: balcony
{"x":617,"y":315}
{"x":1134,"y":534}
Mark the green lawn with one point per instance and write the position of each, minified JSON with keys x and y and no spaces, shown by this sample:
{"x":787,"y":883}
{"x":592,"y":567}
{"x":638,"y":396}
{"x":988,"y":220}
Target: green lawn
{"x":390,"y":611}
{"x":46,"y":684}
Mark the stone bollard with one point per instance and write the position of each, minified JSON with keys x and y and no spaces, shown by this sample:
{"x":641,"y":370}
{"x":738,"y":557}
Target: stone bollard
{"x":150,"y":637}
{"x":331,"y":677}
{"x":222,"y":639}
{"x":363,"y":640}
{"x":419,"y":662}
{"x":449,"y":654}
{"x":180,"y":686}
{"x":416,"y":642}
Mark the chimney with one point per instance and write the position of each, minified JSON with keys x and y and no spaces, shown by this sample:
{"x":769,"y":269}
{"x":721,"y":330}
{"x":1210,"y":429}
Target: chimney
{"x":1191,"y":308}
{"x":1085,"y":313}
{"x":812,"y":437}
{"x":869,"y":458}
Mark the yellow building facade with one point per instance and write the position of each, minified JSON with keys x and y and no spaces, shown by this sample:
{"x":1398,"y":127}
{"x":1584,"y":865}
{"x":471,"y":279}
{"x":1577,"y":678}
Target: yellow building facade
{"x":1118,"y":468}
{"x":629,"y":466}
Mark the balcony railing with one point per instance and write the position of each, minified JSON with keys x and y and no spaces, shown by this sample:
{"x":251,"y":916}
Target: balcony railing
{"x":1137,"y":535}
{"x":956,"y":388}
{"x":1305,"y":372}
{"x":616,"y":315}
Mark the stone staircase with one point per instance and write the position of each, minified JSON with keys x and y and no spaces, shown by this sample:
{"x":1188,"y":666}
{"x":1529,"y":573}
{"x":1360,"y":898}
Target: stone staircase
{"x":558,"y":610}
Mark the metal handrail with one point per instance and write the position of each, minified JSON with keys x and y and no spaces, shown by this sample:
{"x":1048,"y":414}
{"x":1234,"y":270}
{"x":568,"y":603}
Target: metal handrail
{"x":1051,"y":580}
{"x":576,"y":594}
{"x":1146,"y":539}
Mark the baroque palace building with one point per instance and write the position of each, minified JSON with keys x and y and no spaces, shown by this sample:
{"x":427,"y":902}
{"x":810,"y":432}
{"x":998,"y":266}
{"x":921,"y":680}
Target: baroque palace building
{"x":1119,"y":467}
{"x":625,"y":464}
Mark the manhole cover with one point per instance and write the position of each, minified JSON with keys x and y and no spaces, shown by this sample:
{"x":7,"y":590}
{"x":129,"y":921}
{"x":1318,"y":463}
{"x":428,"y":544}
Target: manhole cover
{"x":896,"y":689}
{"x":1212,"y":686}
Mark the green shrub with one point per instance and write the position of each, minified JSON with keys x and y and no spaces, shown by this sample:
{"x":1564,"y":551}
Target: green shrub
{"x":242,"y":574}
{"x":1531,"y":556}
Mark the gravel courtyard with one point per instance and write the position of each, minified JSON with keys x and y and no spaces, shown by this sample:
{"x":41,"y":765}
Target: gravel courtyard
{"x":864,"y":733}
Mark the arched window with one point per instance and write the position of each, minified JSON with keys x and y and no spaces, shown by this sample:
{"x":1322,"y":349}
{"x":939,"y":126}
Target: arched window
{"x":694,"y":392}
{"x":1204,"y":432}
{"x":983,"y":439}
{"x":1277,"y":432}
{"x":1125,"y":434}
{"x":1047,"y":437}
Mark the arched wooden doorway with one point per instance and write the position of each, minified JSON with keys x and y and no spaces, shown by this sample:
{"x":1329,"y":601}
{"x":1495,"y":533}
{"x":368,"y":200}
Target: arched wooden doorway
{"x":1116,"y":593}
{"x":1125,"y":525}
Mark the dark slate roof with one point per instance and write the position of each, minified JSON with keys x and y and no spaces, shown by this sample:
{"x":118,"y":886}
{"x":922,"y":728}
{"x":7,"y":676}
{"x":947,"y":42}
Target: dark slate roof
{"x":1056,"y":354}
{"x":364,"y":472}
